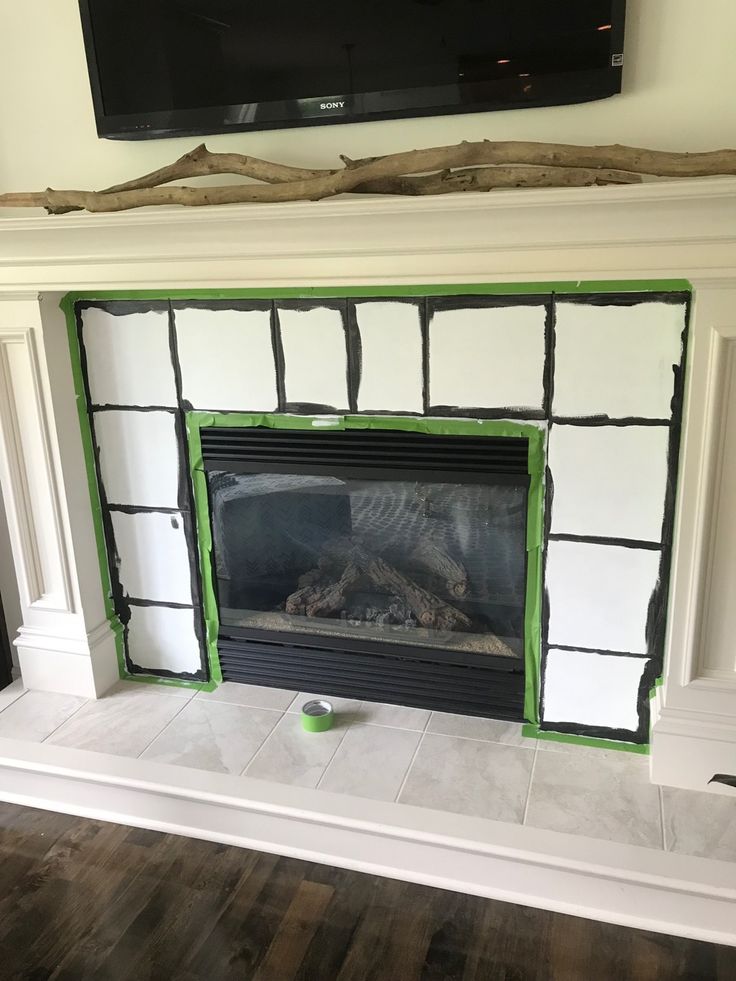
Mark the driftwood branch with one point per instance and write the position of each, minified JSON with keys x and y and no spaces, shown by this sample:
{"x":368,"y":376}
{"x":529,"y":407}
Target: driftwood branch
{"x":479,"y":166}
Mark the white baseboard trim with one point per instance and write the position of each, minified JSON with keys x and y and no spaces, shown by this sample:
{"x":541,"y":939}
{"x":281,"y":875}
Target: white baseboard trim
{"x":626,"y":885}
{"x":86,"y":666}
{"x":689,"y":748}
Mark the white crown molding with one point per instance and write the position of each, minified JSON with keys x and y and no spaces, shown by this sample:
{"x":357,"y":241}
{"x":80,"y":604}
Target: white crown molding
{"x":673,"y":229}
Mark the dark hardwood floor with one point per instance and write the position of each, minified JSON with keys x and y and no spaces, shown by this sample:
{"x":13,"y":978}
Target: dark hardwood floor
{"x":81,"y":899}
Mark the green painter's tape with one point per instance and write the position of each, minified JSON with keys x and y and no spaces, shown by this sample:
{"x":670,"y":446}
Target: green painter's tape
{"x":436,"y":289}
{"x":458,"y":427}
{"x":534,"y":732}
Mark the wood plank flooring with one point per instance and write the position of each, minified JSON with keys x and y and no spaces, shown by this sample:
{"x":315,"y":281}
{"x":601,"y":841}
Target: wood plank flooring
{"x":80,"y":900}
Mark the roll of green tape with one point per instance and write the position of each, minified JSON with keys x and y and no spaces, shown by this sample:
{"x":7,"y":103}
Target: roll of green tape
{"x":317,"y":716}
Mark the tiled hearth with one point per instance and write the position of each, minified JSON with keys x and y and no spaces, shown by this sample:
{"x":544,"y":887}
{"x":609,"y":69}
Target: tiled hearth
{"x":454,"y":763}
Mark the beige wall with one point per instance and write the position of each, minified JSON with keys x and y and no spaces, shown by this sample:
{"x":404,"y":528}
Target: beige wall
{"x":680,"y":85}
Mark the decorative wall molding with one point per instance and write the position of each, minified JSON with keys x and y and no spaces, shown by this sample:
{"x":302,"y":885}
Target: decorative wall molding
{"x":36,"y":504}
{"x":695,"y":734}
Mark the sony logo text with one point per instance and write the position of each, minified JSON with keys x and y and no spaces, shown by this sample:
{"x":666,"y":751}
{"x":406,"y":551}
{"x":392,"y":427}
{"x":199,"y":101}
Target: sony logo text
{"x":332,"y":105}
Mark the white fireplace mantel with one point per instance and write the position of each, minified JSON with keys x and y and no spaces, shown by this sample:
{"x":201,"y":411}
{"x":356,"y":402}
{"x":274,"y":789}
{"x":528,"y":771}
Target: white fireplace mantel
{"x":668,"y":230}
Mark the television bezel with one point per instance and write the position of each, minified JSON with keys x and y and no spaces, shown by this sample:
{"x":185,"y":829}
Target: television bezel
{"x":565,"y":88}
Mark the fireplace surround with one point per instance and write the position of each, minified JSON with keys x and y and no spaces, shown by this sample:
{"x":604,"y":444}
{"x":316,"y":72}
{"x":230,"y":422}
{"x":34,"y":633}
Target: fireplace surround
{"x":182,"y":394}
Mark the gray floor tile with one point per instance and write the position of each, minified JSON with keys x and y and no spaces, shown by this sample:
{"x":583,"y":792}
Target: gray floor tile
{"x":700,"y":823}
{"x":213,"y":736}
{"x":398,"y":716}
{"x":256,"y":696}
{"x":123,"y":722}
{"x":371,"y":762}
{"x":605,"y":796}
{"x":291,"y":755}
{"x":470,"y":727}
{"x":470,"y":776}
{"x":37,"y":714}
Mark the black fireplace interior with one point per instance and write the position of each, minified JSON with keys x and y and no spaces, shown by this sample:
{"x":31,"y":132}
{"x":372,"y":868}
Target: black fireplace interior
{"x":374,"y":564}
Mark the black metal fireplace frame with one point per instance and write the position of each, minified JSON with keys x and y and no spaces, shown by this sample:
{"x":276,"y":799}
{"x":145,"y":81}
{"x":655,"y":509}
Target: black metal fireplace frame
{"x":405,"y":673}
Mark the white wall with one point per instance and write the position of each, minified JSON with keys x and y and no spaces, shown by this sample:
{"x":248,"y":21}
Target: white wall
{"x":680,"y":80}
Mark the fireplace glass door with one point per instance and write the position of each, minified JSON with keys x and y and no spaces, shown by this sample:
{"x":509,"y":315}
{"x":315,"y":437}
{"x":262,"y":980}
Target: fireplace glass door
{"x":373,"y":553}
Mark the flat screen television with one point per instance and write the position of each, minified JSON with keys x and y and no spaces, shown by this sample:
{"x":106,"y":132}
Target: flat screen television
{"x":179,"y":67}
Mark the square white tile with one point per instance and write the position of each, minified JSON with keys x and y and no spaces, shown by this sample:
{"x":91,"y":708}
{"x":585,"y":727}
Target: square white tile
{"x":487,"y":357}
{"x":699,"y":824}
{"x":37,"y":714}
{"x":399,"y":716}
{"x":616,"y":360}
{"x":470,"y":776}
{"x":371,"y":761}
{"x":153,"y":687}
{"x":593,"y":689}
{"x":391,"y":356}
{"x":213,"y":736}
{"x":257,"y":696}
{"x":10,"y":693}
{"x":123,"y":722}
{"x":470,"y":727}
{"x":599,"y":595}
{"x":128,"y":358}
{"x":607,"y":796}
{"x":291,"y":755}
{"x":139,"y":457}
{"x":315,"y":356}
{"x":162,"y":637}
{"x":620,"y":490}
{"x":153,"y":556}
{"x":226,"y":358}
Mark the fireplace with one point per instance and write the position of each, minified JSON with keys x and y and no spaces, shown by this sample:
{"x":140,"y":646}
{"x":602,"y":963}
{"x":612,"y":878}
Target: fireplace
{"x":383,"y":564}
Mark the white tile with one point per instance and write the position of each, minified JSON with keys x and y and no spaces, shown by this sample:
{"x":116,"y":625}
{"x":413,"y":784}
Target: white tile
{"x":490,"y":357}
{"x":10,"y":693}
{"x":226,"y":359}
{"x":36,"y":714}
{"x":592,"y":689}
{"x":291,"y":755}
{"x":400,"y":716}
{"x":616,"y":360}
{"x":469,"y":776}
{"x":609,"y":481}
{"x":139,"y":457}
{"x":153,"y":556}
{"x":315,"y":356}
{"x":599,"y":595}
{"x":470,"y":727}
{"x":129,"y":358}
{"x":160,"y":637}
{"x":371,"y":762}
{"x":151,"y":686}
{"x":213,"y":736}
{"x":391,"y":357}
{"x":607,"y":796}
{"x":122,"y":723}
{"x":256,"y":696}
{"x":700,"y":824}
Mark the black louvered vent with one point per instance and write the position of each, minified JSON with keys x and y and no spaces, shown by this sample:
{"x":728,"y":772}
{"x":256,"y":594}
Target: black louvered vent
{"x":317,"y":451}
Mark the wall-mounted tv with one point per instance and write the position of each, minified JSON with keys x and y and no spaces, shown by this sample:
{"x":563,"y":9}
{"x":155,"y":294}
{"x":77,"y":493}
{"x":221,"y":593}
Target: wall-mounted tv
{"x":179,"y":67}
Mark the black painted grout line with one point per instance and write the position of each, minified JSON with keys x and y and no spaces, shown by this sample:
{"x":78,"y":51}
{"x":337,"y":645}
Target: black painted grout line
{"x":550,"y":340}
{"x":279,"y":359}
{"x":528,"y":414}
{"x":160,"y":604}
{"x":354,"y":353}
{"x":423,"y":308}
{"x":602,"y":540}
{"x":111,"y":407}
{"x":144,"y":509}
{"x":604,"y":420}
{"x":597,"y":650}
{"x":623,"y":299}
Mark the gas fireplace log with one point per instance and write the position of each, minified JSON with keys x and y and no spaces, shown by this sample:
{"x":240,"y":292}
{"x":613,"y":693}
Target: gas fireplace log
{"x":332,"y":598}
{"x":452,"y":574}
{"x":430,"y":610}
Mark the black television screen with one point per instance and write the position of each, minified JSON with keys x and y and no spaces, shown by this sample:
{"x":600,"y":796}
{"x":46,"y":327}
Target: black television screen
{"x":176,"y":67}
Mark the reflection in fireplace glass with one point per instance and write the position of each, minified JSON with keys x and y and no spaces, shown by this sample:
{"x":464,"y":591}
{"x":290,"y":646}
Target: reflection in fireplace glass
{"x":434,"y":565}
